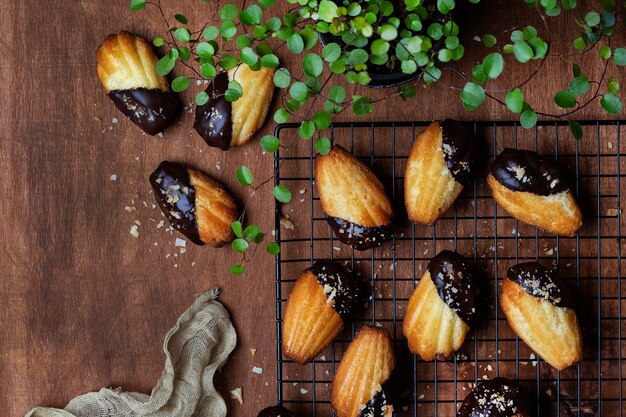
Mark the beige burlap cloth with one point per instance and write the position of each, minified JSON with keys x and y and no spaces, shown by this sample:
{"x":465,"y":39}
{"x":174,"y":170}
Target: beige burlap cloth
{"x":195,"y":348}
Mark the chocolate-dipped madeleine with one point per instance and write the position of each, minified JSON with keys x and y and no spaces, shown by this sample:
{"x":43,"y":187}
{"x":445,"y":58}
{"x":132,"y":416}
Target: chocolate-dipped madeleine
{"x":438,"y":168}
{"x":323,"y":298}
{"x":442,"y":307}
{"x":534,"y":190}
{"x":275,"y":411}
{"x":498,"y":397}
{"x":353,"y":199}
{"x":194,"y":203}
{"x":126,"y":69}
{"x":224,"y":124}
{"x":540,"y":310}
{"x":358,"y":385}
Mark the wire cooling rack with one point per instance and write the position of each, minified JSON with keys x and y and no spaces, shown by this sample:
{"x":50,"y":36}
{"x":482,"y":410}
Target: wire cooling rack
{"x":590,"y":262}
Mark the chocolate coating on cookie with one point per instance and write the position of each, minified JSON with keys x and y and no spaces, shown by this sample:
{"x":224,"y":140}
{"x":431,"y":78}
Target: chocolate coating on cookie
{"x":357,"y":236}
{"x":338,"y":285}
{"x":452,"y":275}
{"x":541,"y":282}
{"x":527,"y":171}
{"x":458,"y":149}
{"x":377,"y":406}
{"x":152,"y":110}
{"x":276,"y":411}
{"x":498,"y":397}
{"x":214,"y":119}
{"x":177,"y":198}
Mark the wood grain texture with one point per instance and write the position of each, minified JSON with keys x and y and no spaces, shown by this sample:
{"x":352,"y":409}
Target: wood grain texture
{"x":85,"y":304}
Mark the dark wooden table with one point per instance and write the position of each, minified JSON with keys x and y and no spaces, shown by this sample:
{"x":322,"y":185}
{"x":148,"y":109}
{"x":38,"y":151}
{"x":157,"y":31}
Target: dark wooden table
{"x":84,"y":303}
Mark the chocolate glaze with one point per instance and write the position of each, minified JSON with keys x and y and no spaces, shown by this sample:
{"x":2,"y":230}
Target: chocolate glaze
{"x":338,"y":285}
{"x":541,"y":282}
{"x":177,"y":198}
{"x":214,"y":119}
{"x":458,"y":149}
{"x":452,"y":275}
{"x":152,"y":110}
{"x":276,"y":411}
{"x":377,"y":406}
{"x":359,"y":237}
{"x":498,"y":397}
{"x":523,"y":170}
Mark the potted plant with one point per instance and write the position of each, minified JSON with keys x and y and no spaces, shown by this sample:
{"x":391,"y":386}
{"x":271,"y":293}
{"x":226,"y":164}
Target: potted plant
{"x":375,"y":43}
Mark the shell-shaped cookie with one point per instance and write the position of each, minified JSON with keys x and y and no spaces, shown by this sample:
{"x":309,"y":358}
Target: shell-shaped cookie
{"x":498,"y":397}
{"x":275,"y":411}
{"x":224,"y":124}
{"x":540,"y":310}
{"x":322,"y":298}
{"x":194,"y":203}
{"x":534,"y":190}
{"x":442,"y":308}
{"x":438,"y":167}
{"x":353,"y":199}
{"x":365,"y":367}
{"x":126,"y":69}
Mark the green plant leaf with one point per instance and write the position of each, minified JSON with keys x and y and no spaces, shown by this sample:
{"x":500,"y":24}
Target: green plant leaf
{"x":136,"y":5}
{"x":528,"y":118}
{"x":237,"y":269}
{"x":478,"y":74}
{"x":565,"y":99}
{"x":182,"y":34}
{"x":228,"y":29}
{"x":208,"y":70}
{"x":270,"y":143}
{"x":580,"y":44}
{"x":229,"y":12}
{"x":576,"y":128}
{"x":306,"y":129}
{"x":240,"y":245}
{"x":158,"y":42}
{"x":312,"y":65}
{"x":331,"y":52}
{"x":270,"y":61}
{"x":248,"y":56}
{"x":244,"y":175}
{"x":523,"y":52}
{"x":164,"y":65}
{"x":611,"y":103}
{"x":295,"y":43}
{"x":237,"y":228}
{"x":299,"y":91}
{"x":619,"y":56}
{"x":282,"y":193}
{"x":432,"y":75}
{"x":579,"y":85}
{"x":489,"y":40}
{"x":327,"y":10}
{"x":202,"y":98}
{"x":322,"y":145}
{"x":322,"y":120}
{"x":251,"y":232}
{"x":514,"y":100}
{"x":493,"y":65}
{"x":281,"y":115}
{"x":273,"y":248}
{"x":181,"y":18}
{"x":210,"y":33}
{"x":180,"y":84}
{"x":612,"y":85}
{"x":445,"y":6}
{"x":267,"y":3}
{"x":228,"y":61}
{"x":205,"y":50}
{"x":472,"y":96}
{"x":253,"y":15}
{"x":604,"y":52}
{"x":592,"y":18}
{"x":282,"y":78}
{"x":576,"y":70}
{"x":362,"y":105}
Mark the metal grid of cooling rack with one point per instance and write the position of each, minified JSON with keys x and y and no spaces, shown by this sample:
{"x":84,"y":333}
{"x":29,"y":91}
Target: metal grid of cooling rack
{"x":590,"y":262}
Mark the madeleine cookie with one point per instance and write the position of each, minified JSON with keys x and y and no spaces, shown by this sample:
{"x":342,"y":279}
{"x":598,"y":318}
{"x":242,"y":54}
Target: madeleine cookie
{"x":534,"y":190}
{"x":365,"y":367}
{"x":275,"y":411}
{"x":224,"y":124}
{"x":498,"y":397}
{"x":438,"y":168}
{"x":539,"y":308}
{"x":126,"y":69}
{"x":442,"y":307}
{"x":353,"y":199}
{"x":323,"y":297}
{"x":194,"y":203}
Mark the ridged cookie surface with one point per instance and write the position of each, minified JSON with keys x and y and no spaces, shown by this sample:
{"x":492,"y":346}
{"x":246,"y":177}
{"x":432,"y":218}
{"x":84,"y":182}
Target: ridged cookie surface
{"x":353,"y":199}
{"x":322,"y":298}
{"x":365,"y":367}
{"x":438,"y":167}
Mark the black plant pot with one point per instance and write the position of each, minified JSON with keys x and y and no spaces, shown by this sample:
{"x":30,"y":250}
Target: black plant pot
{"x":381,"y":75}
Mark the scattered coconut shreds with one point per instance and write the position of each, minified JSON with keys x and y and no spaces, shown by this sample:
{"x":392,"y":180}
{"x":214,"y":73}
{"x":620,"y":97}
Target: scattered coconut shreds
{"x":613,"y":212}
{"x":302,"y":191}
{"x":114,"y":120}
{"x":477,"y":38}
{"x":257,"y":370}
{"x":237,"y":394}
{"x":303,"y":391}
{"x":323,"y":358}
{"x":130,"y":208}
{"x":134,"y":231}
{"x":180,"y":242}
{"x":489,"y":368}
{"x":160,"y":224}
{"x":113,"y":177}
{"x":253,"y":351}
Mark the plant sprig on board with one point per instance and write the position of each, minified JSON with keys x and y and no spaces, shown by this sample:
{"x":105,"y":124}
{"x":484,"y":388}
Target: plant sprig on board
{"x":414,"y":37}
